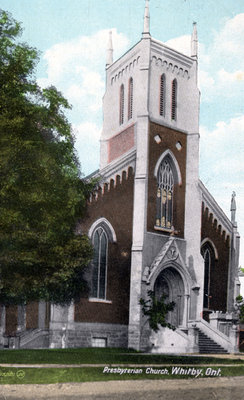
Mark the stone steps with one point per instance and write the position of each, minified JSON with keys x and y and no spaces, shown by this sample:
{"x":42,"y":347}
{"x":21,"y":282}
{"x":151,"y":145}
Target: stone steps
{"x":37,"y":338}
{"x":28,"y":339}
{"x":208,"y":345}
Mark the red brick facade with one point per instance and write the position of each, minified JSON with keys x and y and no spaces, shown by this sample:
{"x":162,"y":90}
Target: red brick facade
{"x":11,"y":320}
{"x":32,"y":312}
{"x":219,"y":268}
{"x":121,"y":143}
{"x":116,"y":205}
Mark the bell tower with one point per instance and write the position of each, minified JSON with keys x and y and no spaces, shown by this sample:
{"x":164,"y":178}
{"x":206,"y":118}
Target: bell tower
{"x":151,"y":123}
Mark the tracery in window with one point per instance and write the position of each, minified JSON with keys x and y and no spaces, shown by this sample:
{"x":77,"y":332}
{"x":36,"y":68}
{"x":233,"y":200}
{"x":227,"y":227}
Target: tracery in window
{"x":165,"y":191}
{"x":99,"y":264}
{"x":174,"y":100}
{"x":121,"y":104}
{"x":130,"y":99}
{"x":162,"y":95}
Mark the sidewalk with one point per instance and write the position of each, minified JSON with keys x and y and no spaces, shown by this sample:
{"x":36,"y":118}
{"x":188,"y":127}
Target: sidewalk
{"x":208,"y":388}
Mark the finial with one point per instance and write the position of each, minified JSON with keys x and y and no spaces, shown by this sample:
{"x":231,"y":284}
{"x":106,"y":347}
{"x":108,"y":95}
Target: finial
{"x":233,"y":209}
{"x":194,"y":41}
{"x":109,"y":59}
{"x":146,"y":27}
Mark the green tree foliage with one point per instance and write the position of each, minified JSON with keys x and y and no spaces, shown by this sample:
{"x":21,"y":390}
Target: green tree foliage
{"x":157,"y":310}
{"x":41,"y":193}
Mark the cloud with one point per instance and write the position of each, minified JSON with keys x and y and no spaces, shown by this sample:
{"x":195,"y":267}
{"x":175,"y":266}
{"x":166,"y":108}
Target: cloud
{"x":221,"y":156}
{"x":221,"y":64}
{"x":181,"y":44}
{"x":227,"y":132}
{"x":87,"y":135}
{"x":225,"y":63}
{"x":88,"y":91}
{"x":77,"y":68}
{"x":229,"y":40}
{"x":222,"y":149}
{"x":230,"y":77}
{"x":89,"y":51}
{"x":206,"y":81}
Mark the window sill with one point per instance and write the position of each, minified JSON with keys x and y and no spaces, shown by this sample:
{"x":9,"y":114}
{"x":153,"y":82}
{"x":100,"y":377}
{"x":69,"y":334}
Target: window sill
{"x":97,"y":300}
{"x":159,"y":228}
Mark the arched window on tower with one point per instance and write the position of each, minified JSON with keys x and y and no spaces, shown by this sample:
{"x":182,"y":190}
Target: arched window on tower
{"x":165,"y":193}
{"x":99,"y":264}
{"x":130,"y":99}
{"x":174,"y":100}
{"x":162,"y":95}
{"x":121,"y":104}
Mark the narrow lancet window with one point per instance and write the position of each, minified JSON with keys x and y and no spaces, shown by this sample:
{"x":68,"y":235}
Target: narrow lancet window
{"x":121,"y":104}
{"x":207,"y":265}
{"x":162,"y":95}
{"x":130,"y":99}
{"x":99,"y":264}
{"x":174,"y":100}
{"x":164,"y":218}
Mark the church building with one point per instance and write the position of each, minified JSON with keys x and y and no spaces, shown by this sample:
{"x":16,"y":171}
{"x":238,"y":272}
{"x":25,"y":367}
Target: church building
{"x":152,"y":222}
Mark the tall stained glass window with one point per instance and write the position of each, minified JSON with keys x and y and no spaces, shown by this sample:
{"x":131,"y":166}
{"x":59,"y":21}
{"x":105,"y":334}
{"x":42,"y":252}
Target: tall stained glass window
{"x":164,"y":218}
{"x":99,"y":264}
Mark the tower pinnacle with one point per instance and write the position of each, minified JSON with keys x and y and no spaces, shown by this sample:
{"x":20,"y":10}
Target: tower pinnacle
{"x":109,"y":58}
{"x":146,"y":27}
{"x":194,"y":41}
{"x":233,"y":209}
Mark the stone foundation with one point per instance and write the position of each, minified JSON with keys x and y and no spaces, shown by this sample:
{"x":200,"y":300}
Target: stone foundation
{"x":89,"y":335}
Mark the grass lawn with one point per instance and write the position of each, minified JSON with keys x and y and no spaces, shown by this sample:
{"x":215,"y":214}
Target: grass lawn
{"x":88,"y":374}
{"x":103,"y":356}
{"x":163,"y":366}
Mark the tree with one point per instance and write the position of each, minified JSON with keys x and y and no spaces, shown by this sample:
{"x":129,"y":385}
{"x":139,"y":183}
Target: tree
{"x":240,"y":308}
{"x":157,"y":310}
{"x":42,"y":195}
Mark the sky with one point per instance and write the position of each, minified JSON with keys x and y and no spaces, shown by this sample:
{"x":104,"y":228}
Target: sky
{"x":72,"y":35}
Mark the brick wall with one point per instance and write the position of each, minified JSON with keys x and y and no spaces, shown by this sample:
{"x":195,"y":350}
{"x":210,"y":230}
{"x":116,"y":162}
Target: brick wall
{"x":120,"y":143}
{"x":218,"y":271}
{"x":116,"y":205}
{"x":11,"y":320}
{"x":32,"y":315}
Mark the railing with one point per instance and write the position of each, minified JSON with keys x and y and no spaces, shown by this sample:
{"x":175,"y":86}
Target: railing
{"x":229,"y":343}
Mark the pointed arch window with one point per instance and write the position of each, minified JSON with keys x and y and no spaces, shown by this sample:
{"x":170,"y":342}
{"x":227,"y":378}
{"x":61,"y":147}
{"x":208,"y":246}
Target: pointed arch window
{"x":121,"y":104}
{"x":210,"y":256}
{"x":162,"y":95}
{"x":174,"y":100}
{"x":206,"y":290}
{"x":130,"y":99}
{"x":165,"y":193}
{"x":99,"y":264}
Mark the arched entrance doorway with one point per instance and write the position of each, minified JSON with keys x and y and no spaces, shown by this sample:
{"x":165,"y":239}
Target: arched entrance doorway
{"x":170,"y":283}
